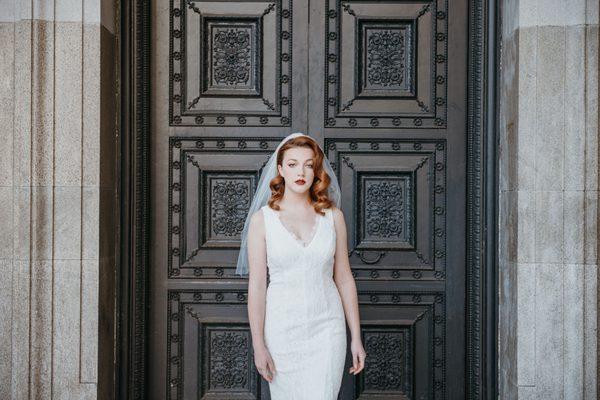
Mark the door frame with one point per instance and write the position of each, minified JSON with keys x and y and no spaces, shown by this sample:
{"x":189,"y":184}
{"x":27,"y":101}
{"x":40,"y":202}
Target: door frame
{"x":131,"y":293}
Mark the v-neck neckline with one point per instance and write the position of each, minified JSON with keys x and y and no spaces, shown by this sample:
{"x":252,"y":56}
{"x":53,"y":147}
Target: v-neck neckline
{"x":298,"y":241}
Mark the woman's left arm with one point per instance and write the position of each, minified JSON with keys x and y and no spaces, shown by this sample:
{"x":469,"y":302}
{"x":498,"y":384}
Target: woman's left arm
{"x":342,"y":276}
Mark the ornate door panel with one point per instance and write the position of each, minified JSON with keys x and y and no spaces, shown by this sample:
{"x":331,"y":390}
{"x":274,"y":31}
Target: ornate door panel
{"x":382,"y":86}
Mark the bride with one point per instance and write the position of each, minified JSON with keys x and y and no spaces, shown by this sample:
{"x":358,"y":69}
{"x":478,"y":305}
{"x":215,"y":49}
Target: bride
{"x":296,"y":235}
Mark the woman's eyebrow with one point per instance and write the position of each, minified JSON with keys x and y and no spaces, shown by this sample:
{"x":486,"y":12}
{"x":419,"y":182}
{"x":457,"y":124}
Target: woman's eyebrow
{"x":293,"y":159}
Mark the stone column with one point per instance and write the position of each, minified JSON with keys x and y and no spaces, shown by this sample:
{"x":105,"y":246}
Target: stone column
{"x":548,"y":199}
{"x":54,"y":191}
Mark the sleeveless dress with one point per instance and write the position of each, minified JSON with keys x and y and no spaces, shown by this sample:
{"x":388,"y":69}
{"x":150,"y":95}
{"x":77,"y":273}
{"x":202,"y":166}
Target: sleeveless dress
{"x":305,"y":327}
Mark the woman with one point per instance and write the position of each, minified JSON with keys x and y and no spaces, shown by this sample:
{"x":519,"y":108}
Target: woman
{"x":297,"y":321}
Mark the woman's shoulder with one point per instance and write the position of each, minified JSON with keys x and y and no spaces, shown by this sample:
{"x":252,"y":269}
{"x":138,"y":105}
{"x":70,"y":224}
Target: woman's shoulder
{"x":334,"y":210}
{"x":262,"y":208}
{"x":258,"y":216}
{"x":337,"y":216}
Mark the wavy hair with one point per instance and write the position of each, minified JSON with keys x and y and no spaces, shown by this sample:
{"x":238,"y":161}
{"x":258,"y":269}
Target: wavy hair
{"x":318,"y":189}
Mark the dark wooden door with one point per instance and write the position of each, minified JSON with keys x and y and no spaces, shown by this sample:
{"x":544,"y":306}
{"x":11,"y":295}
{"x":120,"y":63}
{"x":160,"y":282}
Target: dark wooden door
{"x":383,"y":87}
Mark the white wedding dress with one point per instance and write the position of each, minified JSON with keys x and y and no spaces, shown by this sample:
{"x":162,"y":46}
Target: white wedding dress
{"x":305,"y":327}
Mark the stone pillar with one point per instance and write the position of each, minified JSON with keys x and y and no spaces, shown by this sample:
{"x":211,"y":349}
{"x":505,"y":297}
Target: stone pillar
{"x":548,"y":199}
{"x":54,"y":191}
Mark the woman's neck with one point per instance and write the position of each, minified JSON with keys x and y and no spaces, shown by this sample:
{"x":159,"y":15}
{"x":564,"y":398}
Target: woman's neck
{"x":295,"y":200}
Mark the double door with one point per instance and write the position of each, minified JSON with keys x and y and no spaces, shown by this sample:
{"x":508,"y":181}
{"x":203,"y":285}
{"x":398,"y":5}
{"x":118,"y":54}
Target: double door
{"x":382,"y":86}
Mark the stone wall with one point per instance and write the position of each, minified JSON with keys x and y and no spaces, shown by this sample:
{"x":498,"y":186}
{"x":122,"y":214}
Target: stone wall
{"x":54,"y":190}
{"x":548,"y":199}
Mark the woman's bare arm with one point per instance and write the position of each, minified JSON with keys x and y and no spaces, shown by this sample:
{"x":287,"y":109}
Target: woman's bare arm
{"x":257,"y":283}
{"x":257,"y":293}
{"x":342,"y":275}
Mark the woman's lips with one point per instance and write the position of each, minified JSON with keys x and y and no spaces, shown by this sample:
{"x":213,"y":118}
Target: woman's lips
{"x":300,"y":182}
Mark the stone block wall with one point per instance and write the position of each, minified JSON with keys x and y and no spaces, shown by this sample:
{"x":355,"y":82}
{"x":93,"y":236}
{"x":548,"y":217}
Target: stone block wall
{"x":54,"y":190}
{"x":548,"y":199}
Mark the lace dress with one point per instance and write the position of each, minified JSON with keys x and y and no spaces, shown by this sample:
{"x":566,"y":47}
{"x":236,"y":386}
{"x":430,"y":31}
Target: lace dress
{"x":305,"y":327}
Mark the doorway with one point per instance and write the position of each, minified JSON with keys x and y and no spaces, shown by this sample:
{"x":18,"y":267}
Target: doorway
{"x":393,"y":92}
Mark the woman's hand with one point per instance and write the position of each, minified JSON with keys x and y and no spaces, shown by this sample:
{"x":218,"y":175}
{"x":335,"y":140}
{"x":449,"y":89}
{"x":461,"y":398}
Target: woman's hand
{"x":264,"y":363}
{"x":358,"y":356}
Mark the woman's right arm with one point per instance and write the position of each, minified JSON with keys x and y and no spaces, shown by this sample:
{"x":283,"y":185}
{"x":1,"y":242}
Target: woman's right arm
{"x":257,"y":292}
{"x":257,"y":279}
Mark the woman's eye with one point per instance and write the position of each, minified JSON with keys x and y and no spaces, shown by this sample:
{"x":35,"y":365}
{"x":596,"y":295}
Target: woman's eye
{"x":291,"y":165}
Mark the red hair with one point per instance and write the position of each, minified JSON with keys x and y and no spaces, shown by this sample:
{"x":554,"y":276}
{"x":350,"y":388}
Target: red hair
{"x":318,"y":189}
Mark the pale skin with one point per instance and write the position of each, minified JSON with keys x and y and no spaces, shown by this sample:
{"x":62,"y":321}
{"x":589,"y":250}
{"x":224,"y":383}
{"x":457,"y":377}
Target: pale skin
{"x":297,"y":212}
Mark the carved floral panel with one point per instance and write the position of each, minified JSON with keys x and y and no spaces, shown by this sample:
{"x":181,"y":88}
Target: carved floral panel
{"x":230,"y":63}
{"x":211,"y":186}
{"x":394,"y":202}
{"x":386,"y":64}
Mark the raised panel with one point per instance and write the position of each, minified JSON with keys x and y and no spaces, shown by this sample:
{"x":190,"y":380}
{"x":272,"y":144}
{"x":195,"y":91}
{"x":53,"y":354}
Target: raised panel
{"x":210,"y":346}
{"x":386,"y":54}
{"x":231,"y":58}
{"x":212,"y":183}
{"x":226,"y":356}
{"x":389,"y":367}
{"x":387,"y":204}
{"x":230,"y":63}
{"x":386,"y":64}
{"x":403,"y":334}
{"x":394,"y":200}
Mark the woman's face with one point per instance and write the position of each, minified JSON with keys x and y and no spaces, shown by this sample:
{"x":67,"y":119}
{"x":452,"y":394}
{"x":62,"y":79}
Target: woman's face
{"x":297,"y":168}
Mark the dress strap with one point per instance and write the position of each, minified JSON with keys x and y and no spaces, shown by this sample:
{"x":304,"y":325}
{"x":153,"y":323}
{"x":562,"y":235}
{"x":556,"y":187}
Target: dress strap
{"x":266,"y":212}
{"x":268,"y":223}
{"x":329,"y":212}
